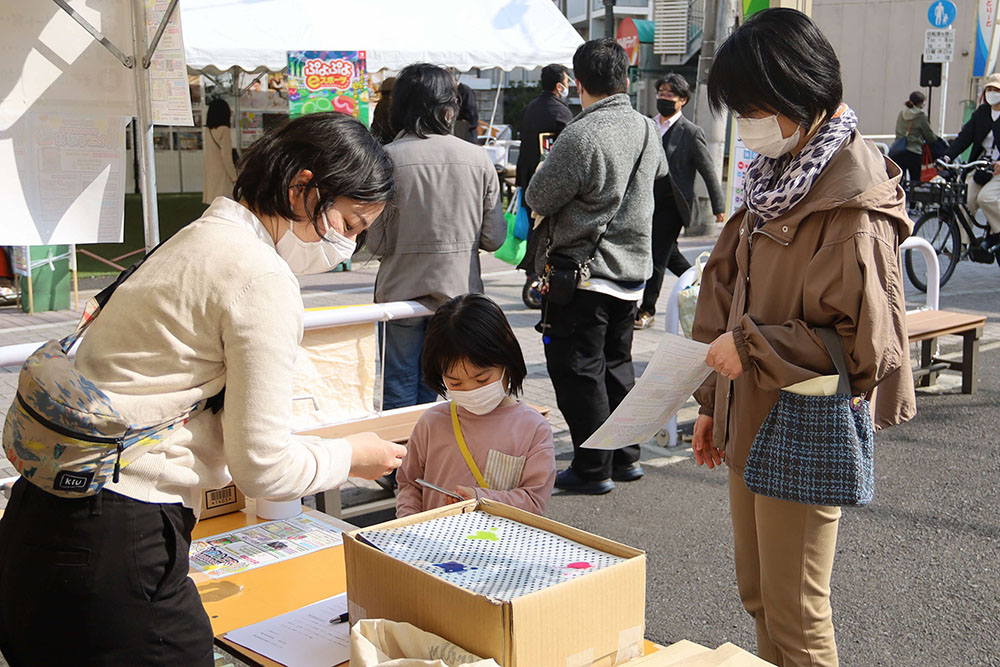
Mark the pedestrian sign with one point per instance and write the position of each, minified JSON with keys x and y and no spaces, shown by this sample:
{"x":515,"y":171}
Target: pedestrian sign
{"x":939,"y":46}
{"x":942,"y":13}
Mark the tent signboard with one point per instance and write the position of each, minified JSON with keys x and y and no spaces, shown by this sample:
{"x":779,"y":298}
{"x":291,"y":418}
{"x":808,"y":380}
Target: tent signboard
{"x":328,"y":81}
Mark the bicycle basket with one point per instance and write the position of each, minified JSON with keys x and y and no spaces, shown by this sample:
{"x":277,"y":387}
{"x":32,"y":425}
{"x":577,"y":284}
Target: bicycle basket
{"x":941,"y":193}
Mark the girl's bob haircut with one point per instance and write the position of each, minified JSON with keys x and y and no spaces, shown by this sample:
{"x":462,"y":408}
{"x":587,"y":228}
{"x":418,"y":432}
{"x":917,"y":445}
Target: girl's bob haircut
{"x":471,"y":328}
{"x":778,"y":62}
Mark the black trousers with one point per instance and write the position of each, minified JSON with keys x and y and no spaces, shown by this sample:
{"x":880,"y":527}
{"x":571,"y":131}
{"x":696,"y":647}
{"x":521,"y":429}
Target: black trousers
{"x":589,"y":359}
{"x":667,"y":225}
{"x":98,"y":581}
{"x":911,"y":163}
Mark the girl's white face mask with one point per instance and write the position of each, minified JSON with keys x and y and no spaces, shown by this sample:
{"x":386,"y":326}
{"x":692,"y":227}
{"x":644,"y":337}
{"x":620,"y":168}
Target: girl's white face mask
{"x":992,"y":97}
{"x":482,"y":400}
{"x":763,"y":135}
{"x":317,"y":257}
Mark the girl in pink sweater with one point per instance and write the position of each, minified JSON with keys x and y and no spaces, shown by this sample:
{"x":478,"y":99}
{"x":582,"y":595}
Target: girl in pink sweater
{"x":471,"y":355}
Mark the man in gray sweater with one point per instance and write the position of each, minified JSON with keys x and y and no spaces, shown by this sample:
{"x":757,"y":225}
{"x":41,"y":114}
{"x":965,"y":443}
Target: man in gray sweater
{"x":596,"y":191}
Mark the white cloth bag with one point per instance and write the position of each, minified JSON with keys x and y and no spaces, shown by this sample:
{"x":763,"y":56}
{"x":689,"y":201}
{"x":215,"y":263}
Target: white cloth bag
{"x":687,"y":298}
{"x":381,"y":643}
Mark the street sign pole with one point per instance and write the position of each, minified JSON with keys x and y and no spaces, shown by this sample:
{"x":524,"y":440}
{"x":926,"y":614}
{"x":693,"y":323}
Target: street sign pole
{"x":944,"y":98}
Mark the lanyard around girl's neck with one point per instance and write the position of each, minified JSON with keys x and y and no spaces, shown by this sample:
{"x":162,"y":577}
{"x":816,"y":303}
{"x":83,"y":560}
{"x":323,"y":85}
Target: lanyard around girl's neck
{"x":469,"y":461}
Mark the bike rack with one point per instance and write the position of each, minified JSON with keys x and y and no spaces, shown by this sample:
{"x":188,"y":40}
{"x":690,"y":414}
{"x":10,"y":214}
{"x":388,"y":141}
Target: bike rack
{"x":933,"y":269}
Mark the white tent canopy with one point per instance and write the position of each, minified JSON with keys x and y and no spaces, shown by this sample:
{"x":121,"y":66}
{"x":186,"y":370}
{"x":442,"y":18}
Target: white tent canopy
{"x":255,"y":35}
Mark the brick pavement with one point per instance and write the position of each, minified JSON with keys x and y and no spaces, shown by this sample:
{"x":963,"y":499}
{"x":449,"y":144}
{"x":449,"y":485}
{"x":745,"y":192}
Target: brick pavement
{"x":963,"y":292}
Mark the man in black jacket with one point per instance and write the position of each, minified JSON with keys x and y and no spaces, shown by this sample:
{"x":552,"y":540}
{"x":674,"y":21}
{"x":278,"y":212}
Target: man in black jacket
{"x":547,"y":113}
{"x":982,"y":132}
{"x":687,"y":153}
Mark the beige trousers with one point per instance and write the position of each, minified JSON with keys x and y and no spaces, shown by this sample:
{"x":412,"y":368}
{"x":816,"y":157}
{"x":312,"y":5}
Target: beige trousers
{"x":784,"y":558}
{"x":986,"y":197}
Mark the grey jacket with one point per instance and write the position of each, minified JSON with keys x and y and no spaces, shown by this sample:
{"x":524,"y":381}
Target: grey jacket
{"x":447,"y":207}
{"x":687,"y":152}
{"x":582,"y":182}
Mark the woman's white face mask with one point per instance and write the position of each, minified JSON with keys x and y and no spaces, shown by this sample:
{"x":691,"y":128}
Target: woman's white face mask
{"x":763,"y":135}
{"x":482,"y":400}
{"x":992,"y":97}
{"x":305,"y":258}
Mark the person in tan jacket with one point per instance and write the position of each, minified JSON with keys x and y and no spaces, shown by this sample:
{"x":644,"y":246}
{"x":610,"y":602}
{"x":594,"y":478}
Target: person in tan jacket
{"x":817,"y":245}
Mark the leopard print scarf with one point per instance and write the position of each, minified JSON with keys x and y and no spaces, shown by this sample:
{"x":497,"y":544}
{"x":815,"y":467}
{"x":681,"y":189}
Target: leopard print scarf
{"x":774,"y":185}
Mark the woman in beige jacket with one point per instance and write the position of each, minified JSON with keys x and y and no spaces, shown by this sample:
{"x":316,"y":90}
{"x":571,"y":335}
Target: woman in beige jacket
{"x":220,"y":170}
{"x":817,"y":245}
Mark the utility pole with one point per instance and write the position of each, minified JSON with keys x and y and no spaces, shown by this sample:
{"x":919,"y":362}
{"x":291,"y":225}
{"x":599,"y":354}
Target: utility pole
{"x":609,"y":19}
{"x":720,"y":17}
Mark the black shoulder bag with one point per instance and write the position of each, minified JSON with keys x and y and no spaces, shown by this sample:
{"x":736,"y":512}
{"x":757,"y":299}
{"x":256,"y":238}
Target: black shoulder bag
{"x":563,"y":273}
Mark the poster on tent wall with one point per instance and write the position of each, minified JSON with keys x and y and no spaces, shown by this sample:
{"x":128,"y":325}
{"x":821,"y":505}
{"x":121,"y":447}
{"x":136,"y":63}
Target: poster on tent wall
{"x":66,"y":182}
{"x":169,"y":91}
{"x":328,"y":81}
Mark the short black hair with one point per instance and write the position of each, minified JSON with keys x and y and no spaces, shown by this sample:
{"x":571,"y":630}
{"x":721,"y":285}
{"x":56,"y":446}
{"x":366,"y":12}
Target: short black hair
{"x":777,"y":61}
{"x":677,"y":84}
{"x":345,"y":159}
{"x":553,"y":75}
{"x":424,"y":100}
{"x":218,"y":114}
{"x":601,"y":65}
{"x":471,"y":328}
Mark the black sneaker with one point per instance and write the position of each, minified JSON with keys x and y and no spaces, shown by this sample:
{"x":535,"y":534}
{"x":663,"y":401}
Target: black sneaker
{"x":628,"y":473}
{"x":568,"y":480}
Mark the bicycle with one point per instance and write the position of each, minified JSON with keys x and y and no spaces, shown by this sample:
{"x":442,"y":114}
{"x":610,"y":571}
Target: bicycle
{"x":946,"y":221}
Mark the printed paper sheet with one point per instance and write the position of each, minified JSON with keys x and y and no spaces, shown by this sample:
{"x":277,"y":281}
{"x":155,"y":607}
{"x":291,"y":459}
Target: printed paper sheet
{"x":168,"y":79}
{"x":265,"y":543}
{"x":305,"y":637}
{"x":675,"y":371}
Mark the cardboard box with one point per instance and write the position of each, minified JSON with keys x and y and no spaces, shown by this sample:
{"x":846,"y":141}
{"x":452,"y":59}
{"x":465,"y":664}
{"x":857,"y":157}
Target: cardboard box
{"x":217,"y":502}
{"x":597,"y":619}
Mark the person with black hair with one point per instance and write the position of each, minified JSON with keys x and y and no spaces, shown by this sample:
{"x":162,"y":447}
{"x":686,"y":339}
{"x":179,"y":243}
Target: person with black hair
{"x":815,"y":246}
{"x":381,"y":122}
{"x":447,"y":208}
{"x":595,"y":190}
{"x":913,"y":126}
{"x":468,"y":114}
{"x":220,"y":170}
{"x":216,"y":306}
{"x":546,"y":114}
{"x":472,"y":357}
{"x":982,"y":133}
{"x":687,"y":153}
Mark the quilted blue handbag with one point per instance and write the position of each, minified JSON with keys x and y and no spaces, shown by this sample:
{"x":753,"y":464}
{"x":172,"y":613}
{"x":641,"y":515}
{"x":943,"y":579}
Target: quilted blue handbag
{"x":816,"y":449}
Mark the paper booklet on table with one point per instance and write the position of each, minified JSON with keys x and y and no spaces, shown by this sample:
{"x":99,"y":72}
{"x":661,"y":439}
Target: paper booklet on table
{"x":306,"y":637}
{"x":676,"y":370}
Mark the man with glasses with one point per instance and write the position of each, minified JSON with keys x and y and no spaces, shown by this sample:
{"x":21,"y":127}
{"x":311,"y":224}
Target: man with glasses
{"x":687,"y":153}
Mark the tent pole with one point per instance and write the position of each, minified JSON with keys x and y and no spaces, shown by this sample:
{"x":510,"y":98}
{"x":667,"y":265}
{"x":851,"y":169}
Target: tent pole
{"x":144,"y":133}
{"x":237,"y":94}
{"x":496,"y":100}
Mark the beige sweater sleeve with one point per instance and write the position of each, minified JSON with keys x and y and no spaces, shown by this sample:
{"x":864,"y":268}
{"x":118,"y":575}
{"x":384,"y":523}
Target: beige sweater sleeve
{"x":264,"y":459}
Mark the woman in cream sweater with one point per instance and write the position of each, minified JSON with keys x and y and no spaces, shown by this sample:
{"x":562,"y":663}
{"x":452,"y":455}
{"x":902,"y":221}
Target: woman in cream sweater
{"x":220,"y":170}
{"x":216,"y":306}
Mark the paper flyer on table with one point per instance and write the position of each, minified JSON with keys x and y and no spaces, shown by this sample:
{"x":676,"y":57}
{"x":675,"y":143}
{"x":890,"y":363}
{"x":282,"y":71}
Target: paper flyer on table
{"x":675,"y":371}
{"x":262,"y":544}
{"x":306,"y":637}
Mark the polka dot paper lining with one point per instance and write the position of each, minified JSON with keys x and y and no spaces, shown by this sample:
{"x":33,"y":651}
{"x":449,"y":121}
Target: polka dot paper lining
{"x":489,"y":555}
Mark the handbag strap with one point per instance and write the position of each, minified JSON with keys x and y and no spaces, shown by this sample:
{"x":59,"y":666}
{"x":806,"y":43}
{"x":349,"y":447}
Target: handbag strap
{"x":466,"y":454}
{"x":835,"y":348}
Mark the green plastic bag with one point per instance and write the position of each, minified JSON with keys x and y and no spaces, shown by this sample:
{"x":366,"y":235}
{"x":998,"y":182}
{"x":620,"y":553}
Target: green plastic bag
{"x":512,"y":250}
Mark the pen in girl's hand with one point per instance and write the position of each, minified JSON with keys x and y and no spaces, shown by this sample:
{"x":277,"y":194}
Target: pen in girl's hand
{"x":340,"y":619}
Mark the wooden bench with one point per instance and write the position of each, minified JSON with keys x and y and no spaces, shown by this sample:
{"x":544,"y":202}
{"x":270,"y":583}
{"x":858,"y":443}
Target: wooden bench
{"x":926,"y":326}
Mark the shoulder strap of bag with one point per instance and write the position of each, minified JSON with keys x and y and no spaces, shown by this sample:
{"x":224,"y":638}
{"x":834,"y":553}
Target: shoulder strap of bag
{"x":835,"y":348}
{"x":628,"y":186}
{"x":95,"y":304}
{"x":469,"y":461}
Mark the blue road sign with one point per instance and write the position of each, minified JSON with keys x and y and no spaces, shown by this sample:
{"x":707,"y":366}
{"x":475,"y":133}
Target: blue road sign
{"x":941,"y":13}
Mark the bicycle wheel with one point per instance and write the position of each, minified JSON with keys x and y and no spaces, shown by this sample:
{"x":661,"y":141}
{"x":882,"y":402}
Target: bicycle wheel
{"x":942,"y":234}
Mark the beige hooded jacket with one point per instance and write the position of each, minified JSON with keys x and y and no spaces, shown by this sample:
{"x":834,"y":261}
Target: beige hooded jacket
{"x":831,"y":261}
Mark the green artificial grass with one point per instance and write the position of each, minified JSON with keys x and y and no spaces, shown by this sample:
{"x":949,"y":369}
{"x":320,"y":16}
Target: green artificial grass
{"x":175,"y":211}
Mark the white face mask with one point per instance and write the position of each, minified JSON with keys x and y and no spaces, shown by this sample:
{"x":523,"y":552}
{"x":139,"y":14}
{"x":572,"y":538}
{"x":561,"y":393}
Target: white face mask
{"x":763,"y":135}
{"x":992,"y":97}
{"x":317,"y":257}
{"x":480,"y":401}
{"x":564,"y":93}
